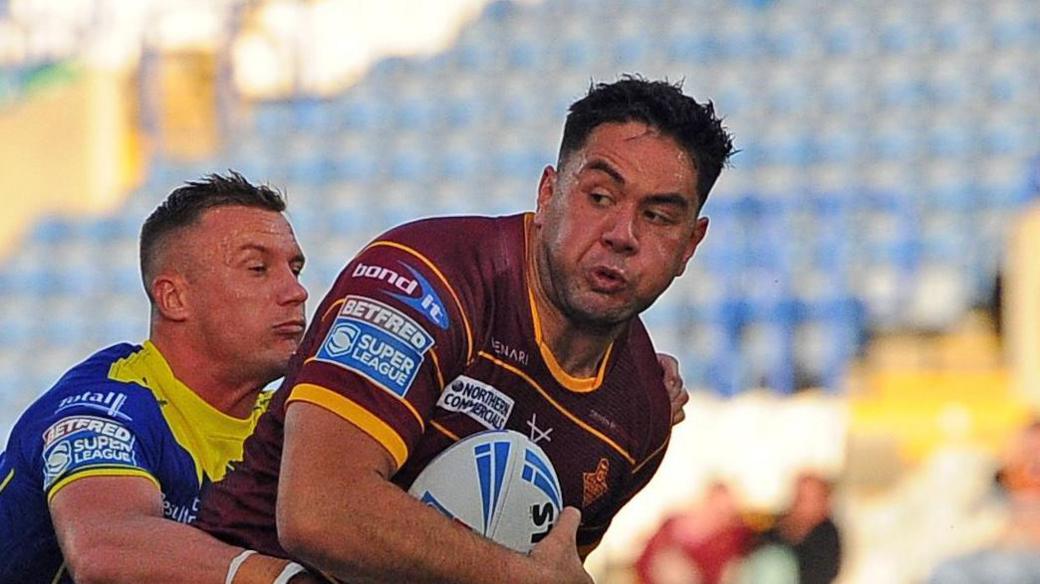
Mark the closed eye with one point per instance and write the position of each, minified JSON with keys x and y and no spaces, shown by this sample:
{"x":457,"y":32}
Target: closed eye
{"x":658,"y":217}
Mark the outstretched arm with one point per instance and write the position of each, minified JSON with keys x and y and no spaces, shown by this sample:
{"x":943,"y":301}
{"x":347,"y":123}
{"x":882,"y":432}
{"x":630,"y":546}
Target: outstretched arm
{"x":338,"y":511}
{"x":111,"y":530}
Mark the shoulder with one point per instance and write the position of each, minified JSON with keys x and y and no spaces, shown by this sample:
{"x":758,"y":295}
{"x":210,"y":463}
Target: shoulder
{"x":87,"y":387}
{"x":86,"y":396}
{"x":90,"y":388}
{"x":462,"y":230}
{"x":457,"y":241}
{"x":464,"y":258}
{"x":86,"y":408}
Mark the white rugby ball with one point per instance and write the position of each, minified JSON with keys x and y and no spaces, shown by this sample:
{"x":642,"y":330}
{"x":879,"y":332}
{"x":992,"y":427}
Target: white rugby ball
{"x":498,"y":483}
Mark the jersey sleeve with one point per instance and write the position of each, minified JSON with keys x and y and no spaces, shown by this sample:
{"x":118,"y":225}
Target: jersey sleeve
{"x":388,"y":335}
{"x":112,"y":436}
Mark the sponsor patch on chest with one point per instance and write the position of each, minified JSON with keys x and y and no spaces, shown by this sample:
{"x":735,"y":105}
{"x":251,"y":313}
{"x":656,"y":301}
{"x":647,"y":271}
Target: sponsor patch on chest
{"x":378,"y":342}
{"x":478,"y":400}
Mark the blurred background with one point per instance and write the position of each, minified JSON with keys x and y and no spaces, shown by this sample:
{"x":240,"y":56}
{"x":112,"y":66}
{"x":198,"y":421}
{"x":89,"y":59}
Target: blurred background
{"x":865,"y":310}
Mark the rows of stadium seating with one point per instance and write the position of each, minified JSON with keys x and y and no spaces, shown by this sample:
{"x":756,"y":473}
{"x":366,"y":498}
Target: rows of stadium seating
{"x":885,"y":148}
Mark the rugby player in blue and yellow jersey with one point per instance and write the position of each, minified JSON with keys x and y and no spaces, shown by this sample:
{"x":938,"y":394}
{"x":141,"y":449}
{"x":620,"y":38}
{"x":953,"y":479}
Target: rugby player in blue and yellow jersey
{"x":102,"y":473}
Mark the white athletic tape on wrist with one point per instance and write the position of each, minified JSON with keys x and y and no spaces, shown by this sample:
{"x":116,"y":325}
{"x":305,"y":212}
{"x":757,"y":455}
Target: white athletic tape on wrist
{"x":236,"y":564}
{"x":291,"y":569}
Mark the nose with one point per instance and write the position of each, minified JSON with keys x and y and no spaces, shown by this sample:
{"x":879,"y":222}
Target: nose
{"x":294,"y":292}
{"x":620,"y":232}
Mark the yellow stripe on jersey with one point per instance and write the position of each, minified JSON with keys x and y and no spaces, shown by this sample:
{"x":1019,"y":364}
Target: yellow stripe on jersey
{"x":451,"y":290}
{"x":578,"y":421}
{"x":570,"y":382}
{"x":7,"y":479}
{"x":101,"y":472}
{"x":354,"y":413}
{"x":444,"y":431}
{"x":332,"y":307}
{"x":437,"y":369}
{"x":212,"y":437}
{"x":59,"y":574}
{"x":407,"y":404}
{"x":652,"y":455}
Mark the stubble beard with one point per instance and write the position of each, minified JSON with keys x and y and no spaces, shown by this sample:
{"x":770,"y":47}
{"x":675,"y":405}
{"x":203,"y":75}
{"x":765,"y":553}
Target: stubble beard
{"x":564,"y":292}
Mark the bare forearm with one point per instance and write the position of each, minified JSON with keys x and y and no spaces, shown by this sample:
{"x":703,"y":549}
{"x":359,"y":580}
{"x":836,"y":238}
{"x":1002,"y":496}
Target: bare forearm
{"x":387,"y":536}
{"x":111,"y":530}
{"x":146,"y":549}
{"x":338,"y":512}
{"x":157,"y":550}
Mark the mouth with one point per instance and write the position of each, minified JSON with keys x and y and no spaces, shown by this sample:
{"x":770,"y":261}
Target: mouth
{"x":291,"y":328}
{"x":607,"y":280}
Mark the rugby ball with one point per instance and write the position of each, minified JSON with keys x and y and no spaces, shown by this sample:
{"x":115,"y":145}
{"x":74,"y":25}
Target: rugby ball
{"x":498,"y":483}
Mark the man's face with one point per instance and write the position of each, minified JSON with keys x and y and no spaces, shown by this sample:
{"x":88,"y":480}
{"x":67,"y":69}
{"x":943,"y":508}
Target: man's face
{"x":243,"y":288}
{"x":616,"y":224}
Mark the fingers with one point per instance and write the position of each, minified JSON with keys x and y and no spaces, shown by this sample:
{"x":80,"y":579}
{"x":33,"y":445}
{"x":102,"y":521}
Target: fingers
{"x":678,"y":414}
{"x":670,"y":365}
{"x":567,"y":525}
{"x":557,"y":553}
{"x":673,"y":383}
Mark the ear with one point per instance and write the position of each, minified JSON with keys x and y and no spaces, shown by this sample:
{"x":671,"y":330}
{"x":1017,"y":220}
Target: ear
{"x":170,"y":294}
{"x":700,"y":230}
{"x":546,"y":189}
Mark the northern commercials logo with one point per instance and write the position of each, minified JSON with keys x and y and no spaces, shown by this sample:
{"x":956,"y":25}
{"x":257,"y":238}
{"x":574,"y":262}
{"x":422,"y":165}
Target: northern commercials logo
{"x":478,"y":400}
{"x":85,"y":441}
{"x":378,"y":342}
{"x":492,"y":459}
{"x":416,"y":291}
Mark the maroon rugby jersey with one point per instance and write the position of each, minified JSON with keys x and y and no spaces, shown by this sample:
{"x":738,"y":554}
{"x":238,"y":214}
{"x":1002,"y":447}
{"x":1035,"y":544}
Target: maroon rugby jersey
{"x":430,"y":334}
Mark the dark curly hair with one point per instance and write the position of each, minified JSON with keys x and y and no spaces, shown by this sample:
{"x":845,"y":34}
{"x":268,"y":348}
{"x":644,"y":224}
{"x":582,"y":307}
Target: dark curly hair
{"x":662,"y":106}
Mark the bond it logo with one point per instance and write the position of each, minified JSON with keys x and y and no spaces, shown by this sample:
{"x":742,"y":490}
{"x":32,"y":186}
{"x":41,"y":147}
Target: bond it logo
{"x":416,"y":291}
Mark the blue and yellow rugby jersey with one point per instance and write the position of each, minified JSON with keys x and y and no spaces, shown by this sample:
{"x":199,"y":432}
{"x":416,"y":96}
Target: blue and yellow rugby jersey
{"x":119,"y":413}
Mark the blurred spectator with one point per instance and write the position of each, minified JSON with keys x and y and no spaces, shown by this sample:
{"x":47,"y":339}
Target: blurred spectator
{"x":1015,"y":555}
{"x":701,"y":546}
{"x":808,"y":531}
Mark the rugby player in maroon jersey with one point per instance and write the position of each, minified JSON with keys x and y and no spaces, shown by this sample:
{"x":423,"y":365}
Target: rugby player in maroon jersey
{"x":445,"y":327}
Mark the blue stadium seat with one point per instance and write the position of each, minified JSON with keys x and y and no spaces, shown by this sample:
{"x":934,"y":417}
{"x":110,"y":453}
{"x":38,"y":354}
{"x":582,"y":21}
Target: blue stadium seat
{"x":875,"y":156}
